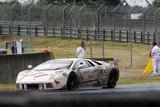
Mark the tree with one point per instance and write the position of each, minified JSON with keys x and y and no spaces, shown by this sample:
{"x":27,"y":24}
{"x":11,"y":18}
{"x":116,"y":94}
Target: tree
{"x":108,"y":2}
{"x":14,"y":1}
{"x":112,"y":2}
{"x":156,"y":3}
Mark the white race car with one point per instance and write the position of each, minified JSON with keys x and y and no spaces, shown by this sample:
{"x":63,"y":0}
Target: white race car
{"x":69,"y":73}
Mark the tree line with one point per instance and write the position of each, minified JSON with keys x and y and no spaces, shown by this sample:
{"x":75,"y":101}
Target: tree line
{"x":46,"y":2}
{"x":155,"y":3}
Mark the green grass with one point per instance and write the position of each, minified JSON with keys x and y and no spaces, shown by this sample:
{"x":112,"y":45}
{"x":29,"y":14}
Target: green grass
{"x":7,"y":87}
{"x":137,"y":80}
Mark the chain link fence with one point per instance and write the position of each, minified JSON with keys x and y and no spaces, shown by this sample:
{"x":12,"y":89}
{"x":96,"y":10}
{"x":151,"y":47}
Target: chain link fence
{"x":73,"y":20}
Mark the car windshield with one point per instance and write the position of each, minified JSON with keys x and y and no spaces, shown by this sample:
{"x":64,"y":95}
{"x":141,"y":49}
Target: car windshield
{"x":53,"y":65}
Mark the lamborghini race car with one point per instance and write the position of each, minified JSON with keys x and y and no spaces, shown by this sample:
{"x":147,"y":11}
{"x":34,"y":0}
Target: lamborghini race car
{"x":69,"y":73}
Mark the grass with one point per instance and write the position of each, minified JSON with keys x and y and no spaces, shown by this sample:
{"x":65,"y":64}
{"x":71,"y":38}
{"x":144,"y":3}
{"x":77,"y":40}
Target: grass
{"x":63,"y":48}
{"x":137,"y":80}
{"x":7,"y":86}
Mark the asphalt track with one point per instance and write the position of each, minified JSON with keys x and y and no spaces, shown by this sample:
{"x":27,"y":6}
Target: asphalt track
{"x":137,"y":95}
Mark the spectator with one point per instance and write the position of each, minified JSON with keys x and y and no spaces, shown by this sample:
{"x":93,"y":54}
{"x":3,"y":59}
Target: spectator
{"x":14,"y":48}
{"x":81,"y":50}
{"x":22,"y":45}
{"x":155,"y":53}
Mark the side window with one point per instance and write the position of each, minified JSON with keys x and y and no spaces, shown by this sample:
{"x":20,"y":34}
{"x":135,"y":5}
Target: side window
{"x":78,"y":63}
{"x":91,"y":63}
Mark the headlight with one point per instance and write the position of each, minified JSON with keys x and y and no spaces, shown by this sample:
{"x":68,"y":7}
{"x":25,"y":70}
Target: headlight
{"x":20,"y":76}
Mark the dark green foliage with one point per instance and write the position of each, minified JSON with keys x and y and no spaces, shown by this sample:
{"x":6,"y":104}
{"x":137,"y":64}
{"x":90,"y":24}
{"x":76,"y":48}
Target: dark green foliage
{"x":108,"y":2}
{"x":112,"y":2}
{"x":156,"y":3}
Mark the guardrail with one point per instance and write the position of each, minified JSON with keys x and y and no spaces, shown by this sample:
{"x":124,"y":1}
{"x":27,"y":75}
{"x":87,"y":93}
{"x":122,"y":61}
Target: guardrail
{"x":106,"y":35}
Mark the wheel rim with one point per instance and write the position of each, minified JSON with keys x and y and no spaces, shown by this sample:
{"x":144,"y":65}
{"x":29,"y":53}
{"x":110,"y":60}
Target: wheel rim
{"x":112,"y":80}
{"x":71,"y":82}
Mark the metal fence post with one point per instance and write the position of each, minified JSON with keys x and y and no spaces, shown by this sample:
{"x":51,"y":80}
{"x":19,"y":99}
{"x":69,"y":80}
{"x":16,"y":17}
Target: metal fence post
{"x":63,"y":19}
{"x":120,"y":36}
{"x":90,"y":38}
{"x":155,"y":25}
{"x":46,"y":20}
{"x":12,"y":19}
{"x":80,"y":22}
{"x":10,"y":30}
{"x":112,"y":35}
{"x":26,"y":30}
{"x":134,"y":36}
{"x":36,"y":30}
{"x":95,"y":34}
{"x":144,"y":25}
{"x":130,"y":37}
{"x":102,"y":46}
{"x":70,"y":11}
{"x":0,"y":30}
{"x":53,"y":30}
{"x":127,"y":33}
{"x":18,"y":31}
{"x":104,"y":34}
{"x":98,"y":19}
{"x":141,"y":37}
{"x":30,"y":19}
{"x":148,"y":35}
{"x":31,"y":41}
{"x":87,"y":34}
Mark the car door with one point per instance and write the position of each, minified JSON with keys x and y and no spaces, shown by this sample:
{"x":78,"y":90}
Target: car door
{"x":82,"y":69}
{"x":93,"y":71}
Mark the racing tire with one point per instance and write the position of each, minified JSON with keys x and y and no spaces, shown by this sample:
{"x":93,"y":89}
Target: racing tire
{"x":72,"y":81}
{"x":112,"y":80}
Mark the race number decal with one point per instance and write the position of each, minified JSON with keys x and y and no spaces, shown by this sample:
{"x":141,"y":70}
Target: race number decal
{"x":103,"y":73}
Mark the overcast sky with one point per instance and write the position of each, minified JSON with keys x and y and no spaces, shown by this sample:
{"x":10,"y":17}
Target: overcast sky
{"x":139,"y":2}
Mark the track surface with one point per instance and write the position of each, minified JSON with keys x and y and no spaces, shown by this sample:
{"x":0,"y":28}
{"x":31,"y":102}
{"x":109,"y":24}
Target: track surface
{"x":137,"y":95}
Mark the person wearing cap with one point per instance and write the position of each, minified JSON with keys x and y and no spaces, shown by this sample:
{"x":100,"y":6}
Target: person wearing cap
{"x":155,"y":53}
{"x":81,"y":50}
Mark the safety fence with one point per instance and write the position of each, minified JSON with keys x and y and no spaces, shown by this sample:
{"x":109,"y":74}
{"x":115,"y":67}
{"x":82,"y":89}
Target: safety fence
{"x":73,"y":20}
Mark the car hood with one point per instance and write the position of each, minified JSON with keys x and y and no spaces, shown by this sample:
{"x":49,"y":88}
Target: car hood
{"x":32,"y":76}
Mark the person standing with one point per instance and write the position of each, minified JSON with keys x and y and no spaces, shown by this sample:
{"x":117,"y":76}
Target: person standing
{"x":81,"y":50}
{"x":155,"y":53}
{"x":22,"y":45}
{"x":14,"y":48}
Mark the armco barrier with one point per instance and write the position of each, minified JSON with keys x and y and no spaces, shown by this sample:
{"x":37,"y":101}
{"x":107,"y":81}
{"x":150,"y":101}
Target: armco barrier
{"x":11,"y":65}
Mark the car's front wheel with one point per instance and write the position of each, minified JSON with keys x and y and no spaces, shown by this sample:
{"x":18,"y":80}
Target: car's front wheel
{"x":72,"y":81}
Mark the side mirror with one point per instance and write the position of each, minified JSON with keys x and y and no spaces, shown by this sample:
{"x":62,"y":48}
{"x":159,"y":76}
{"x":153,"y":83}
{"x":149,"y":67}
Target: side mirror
{"x":29,"y":66}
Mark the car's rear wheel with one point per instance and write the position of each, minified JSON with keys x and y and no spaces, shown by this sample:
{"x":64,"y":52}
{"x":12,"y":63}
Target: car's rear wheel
{"x":72,"y":81}
{"x":112,"y":80}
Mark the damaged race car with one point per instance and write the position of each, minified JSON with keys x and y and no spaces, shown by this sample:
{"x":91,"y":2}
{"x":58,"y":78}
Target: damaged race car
{"x":69,"y":73}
